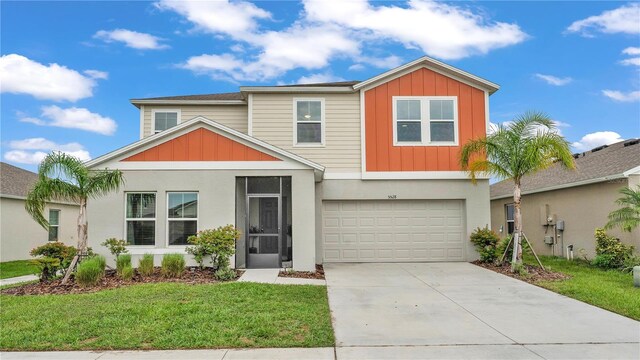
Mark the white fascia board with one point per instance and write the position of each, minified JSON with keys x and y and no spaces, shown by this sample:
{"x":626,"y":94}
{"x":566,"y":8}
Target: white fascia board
{"x":434,"y":65}
{"x":342,"y":176}
{"x":565,"y":186}
{"x":296,"y":89}
{"x":419,"y":175}
{"x":188,"y":102}
{"x":633,"y":171}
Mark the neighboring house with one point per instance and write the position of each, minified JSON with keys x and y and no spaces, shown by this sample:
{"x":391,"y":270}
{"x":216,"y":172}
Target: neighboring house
{"x":19,"y":233}
{"x":335,"y":172}
{"x":577,"y":200}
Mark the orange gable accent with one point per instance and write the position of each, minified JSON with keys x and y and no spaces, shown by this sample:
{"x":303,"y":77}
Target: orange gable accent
{"x":201,"y":145}
{"x":381,"y":155}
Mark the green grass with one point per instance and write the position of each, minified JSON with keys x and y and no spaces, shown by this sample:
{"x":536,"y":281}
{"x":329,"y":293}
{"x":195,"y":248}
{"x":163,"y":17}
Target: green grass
{"x":169,"y":316}
{"x":11,"y":269}
{"x":609,"y":289}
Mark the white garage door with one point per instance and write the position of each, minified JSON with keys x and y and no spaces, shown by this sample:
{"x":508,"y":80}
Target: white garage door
{"x":393,"y":230}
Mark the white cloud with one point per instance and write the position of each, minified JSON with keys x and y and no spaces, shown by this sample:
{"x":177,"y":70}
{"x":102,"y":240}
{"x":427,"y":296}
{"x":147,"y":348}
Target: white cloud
{"x":97,"y":74}
{"x":388,"y":62}
{"x":616,"y":95}
{"x":33,"y":150}
{"x":356,"y":67}
{"x":621,"y":20}
{"x":441,"y":30}
{"x":553,"y":80}
{"x":20,"y":75}
{"x":631,"y":61}
{"x":72,"y":118}
{"x":132,"y":39}
{"x":596,"y":139}
{"x":631,"y":51}
{"x":319,"y":78}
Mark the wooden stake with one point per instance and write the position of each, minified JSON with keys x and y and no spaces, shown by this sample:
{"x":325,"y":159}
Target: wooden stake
{"x":504,"y":254}
{"x":533,"y":251}
{"x":70,"y":269}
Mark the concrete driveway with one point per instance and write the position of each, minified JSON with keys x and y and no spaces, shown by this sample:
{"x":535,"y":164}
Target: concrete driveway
{"x":459,"y":310}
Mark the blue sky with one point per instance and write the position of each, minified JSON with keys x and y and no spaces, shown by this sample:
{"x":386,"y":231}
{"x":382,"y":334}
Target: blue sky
{"x":68,"y":69}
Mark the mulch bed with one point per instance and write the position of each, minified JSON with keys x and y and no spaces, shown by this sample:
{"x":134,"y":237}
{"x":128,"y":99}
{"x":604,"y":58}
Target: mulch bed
{"x":534,"y":273}
{"x":111,"y":280}
{"x":318,"y":274}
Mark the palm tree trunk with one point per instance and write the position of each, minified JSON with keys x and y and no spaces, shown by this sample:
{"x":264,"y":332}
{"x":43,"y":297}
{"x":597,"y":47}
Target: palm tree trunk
{"x":82,"y":239}
{"x":517,"y":223}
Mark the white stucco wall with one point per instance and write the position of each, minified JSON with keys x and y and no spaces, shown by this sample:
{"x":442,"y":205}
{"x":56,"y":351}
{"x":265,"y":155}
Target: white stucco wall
{"x":19,"y":233}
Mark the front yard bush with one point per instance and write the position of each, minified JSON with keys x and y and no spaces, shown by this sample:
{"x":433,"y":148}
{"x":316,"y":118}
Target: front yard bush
{"x":485,"y":241}
{"x":503,"y":246}
{"x":610,"y":252}
{"x":90,"y":271}
{"x":215,"y":245}
{"x":173,"y":265}
{"x":145,"y":266}
{"x":51,"y":258}
{"x":225,"y":274}
{"x":127,"y":273}
{"x":122,"y":261}
{"x":115,"y":246}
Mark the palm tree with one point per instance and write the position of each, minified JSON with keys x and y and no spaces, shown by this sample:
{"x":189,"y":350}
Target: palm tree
{"x":514,"y":150}
{"x":628,"y":216}
{"x":63,"y":177}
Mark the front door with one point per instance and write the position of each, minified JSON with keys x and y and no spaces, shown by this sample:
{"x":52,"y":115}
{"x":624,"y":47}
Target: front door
{"x":264,"y":232}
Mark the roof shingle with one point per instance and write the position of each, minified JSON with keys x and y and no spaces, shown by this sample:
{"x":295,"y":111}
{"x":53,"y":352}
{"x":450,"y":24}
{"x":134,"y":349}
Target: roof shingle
{"x":15,"y":181}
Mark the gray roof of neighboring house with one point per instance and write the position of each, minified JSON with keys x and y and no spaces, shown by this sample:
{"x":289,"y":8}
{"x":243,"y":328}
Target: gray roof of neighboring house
{"x":601,"y":162}
{"x":15,"y":181}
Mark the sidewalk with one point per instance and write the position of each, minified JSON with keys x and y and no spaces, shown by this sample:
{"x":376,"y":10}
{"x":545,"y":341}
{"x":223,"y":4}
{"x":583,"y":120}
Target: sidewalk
{"x":18,"y":279}
{"x":270,"y":276}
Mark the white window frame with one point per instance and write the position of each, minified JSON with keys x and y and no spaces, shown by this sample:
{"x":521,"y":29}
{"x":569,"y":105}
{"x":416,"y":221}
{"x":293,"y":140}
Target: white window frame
{"x":155,"y":222}
{"x":506,"y":216}
{"x":196,"y":219}
{"x":153,"y":118}
{"x":425,"y":123}
{"x":322,"y":123}
{"x":57,"y":226}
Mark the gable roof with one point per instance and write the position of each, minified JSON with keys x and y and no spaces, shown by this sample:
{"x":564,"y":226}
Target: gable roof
{"x":193,"y":123}
{"x":599,"y":164}
{"x":14,"y":181}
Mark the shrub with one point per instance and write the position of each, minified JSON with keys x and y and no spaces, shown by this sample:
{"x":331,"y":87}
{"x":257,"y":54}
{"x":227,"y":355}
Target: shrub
{"x":145,"y":266}
{"x":225,"y":274}
{"x":101,"y":260}
{"x":173,"y":265}
{"x":501,"y":247}
{"x":217,"y":244}
{"x":610,"y":252}
{"x":122,"y":261}
{"x":53,"y":257}
{"x":126,"y":273}
{"x":630,"y":263}
{"x":115,"y":246}
{"x":90,"y":271}
{"x":485,"y":241}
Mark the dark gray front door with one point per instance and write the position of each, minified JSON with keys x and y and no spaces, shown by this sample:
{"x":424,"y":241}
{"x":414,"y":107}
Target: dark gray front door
{"x":264,"y":232}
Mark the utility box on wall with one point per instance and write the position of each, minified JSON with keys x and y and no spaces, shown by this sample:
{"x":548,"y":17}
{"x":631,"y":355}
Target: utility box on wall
{"x":548,"y":239}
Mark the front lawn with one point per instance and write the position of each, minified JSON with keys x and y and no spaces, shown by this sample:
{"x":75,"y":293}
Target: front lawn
{"x":612,"y":290}
{"x":9,"y":269}
{"x":169,"y":316}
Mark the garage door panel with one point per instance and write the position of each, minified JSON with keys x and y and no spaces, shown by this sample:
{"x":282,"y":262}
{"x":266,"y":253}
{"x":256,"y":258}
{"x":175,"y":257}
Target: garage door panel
{"x":401,"y":230}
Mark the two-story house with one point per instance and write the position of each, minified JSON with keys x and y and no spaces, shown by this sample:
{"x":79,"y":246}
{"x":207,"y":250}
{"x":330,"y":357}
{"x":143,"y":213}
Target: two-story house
{"x":336,"y":172}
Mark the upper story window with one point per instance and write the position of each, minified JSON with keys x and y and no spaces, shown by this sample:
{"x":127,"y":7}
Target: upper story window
{"x":308,"y":122}
{"x":140,"y":218}
{"x":165,"y":119}
{"x":425,"y":120}
{"x":54,"y":224}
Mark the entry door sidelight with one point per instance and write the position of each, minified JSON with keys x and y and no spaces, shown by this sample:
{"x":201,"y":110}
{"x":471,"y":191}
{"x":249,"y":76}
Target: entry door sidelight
{"x":263,"y":242}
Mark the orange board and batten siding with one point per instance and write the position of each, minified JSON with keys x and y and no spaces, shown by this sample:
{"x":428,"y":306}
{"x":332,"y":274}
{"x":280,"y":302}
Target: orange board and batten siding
{"x":381,"y":155}
{"x":201,"y":145}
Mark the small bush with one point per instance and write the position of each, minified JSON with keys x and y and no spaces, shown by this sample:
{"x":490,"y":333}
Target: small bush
{"x":122,"y":261}
{"x":145,"y":266}
{"x":630,"y":263}
{"x":521,"y":270}
{"x":126,"y":273}
{"x":501,"y":247}
{"x":485,"y":241}
{"x":217,"y":244}
{"x":173,"y":265}
{"x":225,"y":274}
{"x":90,"y":271}
{"x":610,"y":252}
{"x":115,"y":246}
{"x":52,"y":257}
{"x":101,"y":260}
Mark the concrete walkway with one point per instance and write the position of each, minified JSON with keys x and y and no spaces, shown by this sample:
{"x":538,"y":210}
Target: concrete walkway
{"x":18,"y":279}
{"x":270,"y":276}
{"x":459,"y":310}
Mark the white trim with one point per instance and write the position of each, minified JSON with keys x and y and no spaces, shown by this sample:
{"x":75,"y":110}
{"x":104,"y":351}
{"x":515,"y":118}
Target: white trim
{"x":166,"y":243}
{"x":425,"y":121}
{"x":342,"y":176}
{"x":210,"y":165}
{"x":57,"y":226}
{"x":419,"y":175}
{"x":295,"y":122}
{"x":564,"y":186}
{"x":250,"y":115}
{"x":633,"y":171}
{"x":437,"y":66}
{"x":141,"y":121}
{"x":297,"y":89}
{"x":57,"y":202}
{"x":153,"y":118}
{"x":187,"y":102}
{"x":185,"y":126}
{"x":363,"y":135}
{"x":145,"y":249}
{"x":154,"y":219}
{"x":486,"y":112}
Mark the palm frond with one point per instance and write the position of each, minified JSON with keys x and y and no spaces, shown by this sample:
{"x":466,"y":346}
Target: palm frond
{"x":47,"y":190}
{"x":102,"y":182}
{"x":60,"y":165}
{"x":628,"y":216}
